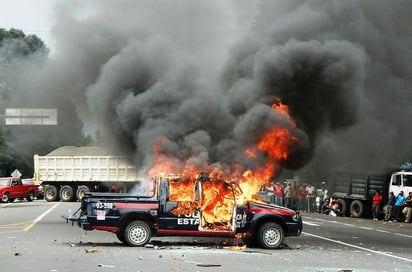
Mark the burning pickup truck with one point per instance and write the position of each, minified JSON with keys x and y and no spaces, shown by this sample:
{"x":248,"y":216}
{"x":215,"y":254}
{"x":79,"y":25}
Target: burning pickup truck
{"x":179,"y":206}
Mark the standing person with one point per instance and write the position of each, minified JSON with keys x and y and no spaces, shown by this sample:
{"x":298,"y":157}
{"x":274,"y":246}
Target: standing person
{"x":376,"y":204}
{"x":319,"y":199}
{"x":399,"y":205}
{"x":390,"y":205}
{"x":302,"y":198}
{"x":278,"y":193}
{"x":269,"y":192}
{"x":310,"y":197}
{"x":287,"y":192}
{"x":407,"y":210}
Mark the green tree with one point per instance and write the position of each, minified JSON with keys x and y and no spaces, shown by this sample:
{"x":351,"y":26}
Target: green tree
{"x":19,"y":55}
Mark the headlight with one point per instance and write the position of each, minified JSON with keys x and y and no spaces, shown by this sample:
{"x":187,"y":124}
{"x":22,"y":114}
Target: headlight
{"x":297,"y":216}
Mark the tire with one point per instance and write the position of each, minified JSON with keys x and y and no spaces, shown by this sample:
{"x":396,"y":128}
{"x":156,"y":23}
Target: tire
{"x":66,"y":193}
{"x":270,"y":235}
{"x":356,"y":209}
{"x":81,"y":191}
{"x":5,"y":198}
{"x":30,"y":197}
{"x":120,"y":236}
{"x":137,"y":233}
{"x":342,"y":205}
{"x":51,"y":193}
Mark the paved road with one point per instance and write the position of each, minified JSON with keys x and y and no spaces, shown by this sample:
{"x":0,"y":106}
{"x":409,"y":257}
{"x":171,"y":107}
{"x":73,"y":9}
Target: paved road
{"x":34,"y":237}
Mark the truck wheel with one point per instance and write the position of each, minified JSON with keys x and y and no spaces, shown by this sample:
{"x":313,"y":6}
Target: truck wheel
{"x":30,"y":197}
{"x":342,"y":206}
{"x":81,"y":191}
{"x":137,"y":233}
{"x":51,"y":193}
{"x":270,"y":235}
{"x":66,"y":193}
{"x":5,"y":198}
{"x":120,"y":236}
{"x":356,"y":209}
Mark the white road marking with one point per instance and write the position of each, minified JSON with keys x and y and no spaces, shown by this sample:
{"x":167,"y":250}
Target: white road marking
{"x":310,"y":223}
{"x":40,"y":217}
{"x":404,"y":235}
{"x":358,"y":247}
{"x":361,"y":227}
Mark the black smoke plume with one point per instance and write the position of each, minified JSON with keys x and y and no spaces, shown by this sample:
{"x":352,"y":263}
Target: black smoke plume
{"x":205,"y":74}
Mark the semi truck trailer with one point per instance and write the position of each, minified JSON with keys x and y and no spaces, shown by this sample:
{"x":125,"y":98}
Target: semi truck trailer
{"x":67,"y":173}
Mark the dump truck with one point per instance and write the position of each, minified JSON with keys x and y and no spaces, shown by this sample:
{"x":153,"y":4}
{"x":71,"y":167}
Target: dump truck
{"x":354,"y":191}
{"x":67,"y":173}
{"x":179,"y":206}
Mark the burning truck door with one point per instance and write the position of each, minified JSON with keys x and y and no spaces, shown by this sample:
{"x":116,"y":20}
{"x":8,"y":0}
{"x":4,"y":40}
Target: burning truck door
{"x":179,"y":207}
{"x":218,"y":206}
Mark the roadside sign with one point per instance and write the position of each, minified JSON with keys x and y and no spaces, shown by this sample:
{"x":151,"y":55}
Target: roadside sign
{"x":30,"y":116}
{"x":16,"y":173}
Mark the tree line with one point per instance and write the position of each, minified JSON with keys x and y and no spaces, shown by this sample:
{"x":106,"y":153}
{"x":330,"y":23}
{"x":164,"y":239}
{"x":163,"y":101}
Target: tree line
{"x":18,"y":144}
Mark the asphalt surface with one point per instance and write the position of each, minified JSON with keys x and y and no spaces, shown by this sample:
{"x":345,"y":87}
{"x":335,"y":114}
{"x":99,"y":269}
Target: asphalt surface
{"x":34,"y":237}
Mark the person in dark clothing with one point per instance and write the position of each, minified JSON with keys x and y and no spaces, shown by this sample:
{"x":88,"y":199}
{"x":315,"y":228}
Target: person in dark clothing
{"x":390,"y":204}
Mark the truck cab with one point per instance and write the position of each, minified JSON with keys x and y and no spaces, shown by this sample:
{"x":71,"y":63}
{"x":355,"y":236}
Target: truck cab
{"x":181,"y":206}
{"x":401,"y":181}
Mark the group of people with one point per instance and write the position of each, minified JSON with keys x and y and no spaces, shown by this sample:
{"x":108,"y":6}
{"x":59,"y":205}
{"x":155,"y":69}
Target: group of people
{"x":307,"y":198}
{"x":301,"y":198}
{"x":399,"y":208}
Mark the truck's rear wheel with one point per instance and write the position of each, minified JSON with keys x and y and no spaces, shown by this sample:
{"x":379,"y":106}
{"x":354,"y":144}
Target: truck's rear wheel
{"x":120,"y":236}
{"x":270,"y":235}
{"x":356,"y":209}
{"x":51,"y":193}
{"x":137,"y":233}
{"x":30,"y":197}
{"x":66,"y":193}
{"x":81,"y":191}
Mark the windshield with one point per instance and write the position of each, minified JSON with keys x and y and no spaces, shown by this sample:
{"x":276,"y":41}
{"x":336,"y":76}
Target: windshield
{"x":5,"y":182}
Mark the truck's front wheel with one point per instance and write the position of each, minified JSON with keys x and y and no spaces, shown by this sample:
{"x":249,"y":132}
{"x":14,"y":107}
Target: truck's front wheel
{"x":137,"y":233}
{"x":270,"y":235}
{"x":5,"y":198}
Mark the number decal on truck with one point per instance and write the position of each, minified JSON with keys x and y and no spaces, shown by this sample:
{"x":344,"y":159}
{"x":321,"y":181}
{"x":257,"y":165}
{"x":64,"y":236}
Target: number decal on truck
{"x":104,"y":205}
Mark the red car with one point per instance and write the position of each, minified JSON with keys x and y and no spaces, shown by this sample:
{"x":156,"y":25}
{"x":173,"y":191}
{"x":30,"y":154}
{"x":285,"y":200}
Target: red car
{"x":12,"y":188}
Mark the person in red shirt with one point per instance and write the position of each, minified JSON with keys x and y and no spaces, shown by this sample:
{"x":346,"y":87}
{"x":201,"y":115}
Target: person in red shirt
{"x":376,"y":204}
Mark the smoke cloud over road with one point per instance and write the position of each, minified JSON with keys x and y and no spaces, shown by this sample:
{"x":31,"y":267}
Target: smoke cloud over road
{"x":204,"y":74}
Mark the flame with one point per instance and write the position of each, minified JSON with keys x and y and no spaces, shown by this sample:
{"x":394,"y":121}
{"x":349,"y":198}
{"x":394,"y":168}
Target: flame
{"x":222,"y":189}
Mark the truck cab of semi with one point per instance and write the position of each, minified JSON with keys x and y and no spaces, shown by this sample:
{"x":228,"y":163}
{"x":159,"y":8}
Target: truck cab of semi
{"x":401,"y":181}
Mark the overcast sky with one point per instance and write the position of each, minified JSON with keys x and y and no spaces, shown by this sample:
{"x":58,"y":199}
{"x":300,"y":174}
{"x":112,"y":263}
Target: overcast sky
{"x":31,"y":16}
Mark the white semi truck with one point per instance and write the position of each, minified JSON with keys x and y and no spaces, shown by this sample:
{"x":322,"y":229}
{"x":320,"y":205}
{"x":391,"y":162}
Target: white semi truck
{"x":67,"y":173}
{"x":354,"y":191}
